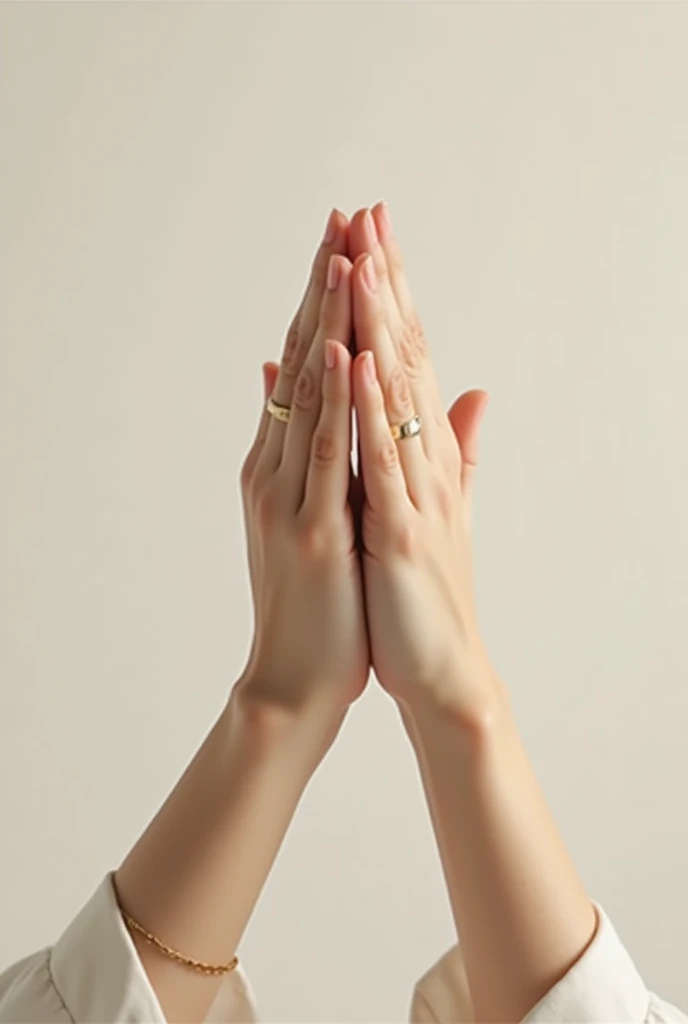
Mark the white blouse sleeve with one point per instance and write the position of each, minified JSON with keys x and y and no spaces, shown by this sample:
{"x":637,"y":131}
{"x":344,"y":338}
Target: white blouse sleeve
{"x":602,"y":986}
{"x":93,"y":974}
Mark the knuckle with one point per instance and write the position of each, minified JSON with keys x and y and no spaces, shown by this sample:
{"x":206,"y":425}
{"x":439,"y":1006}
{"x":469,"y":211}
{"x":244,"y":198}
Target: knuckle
{"x":388,"y":457}
{"x":325,"y":449}
{"x":315,"y":540}
{"x":292,"y":345}
{"x":397,"y":535}
{"x":405,"y":540}
{"x":266,"y":508}
{"x":444,"y":496}
{"x":247,"y":470}
{"x":305,"y":391}
{"x":397,"y":392}
{"x":420,"y":342}
{"x":409,"y":352}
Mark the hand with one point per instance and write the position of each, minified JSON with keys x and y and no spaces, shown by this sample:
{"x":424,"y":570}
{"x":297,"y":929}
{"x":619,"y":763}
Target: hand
{"x":416,"y":515}
{"x":310,"y":648}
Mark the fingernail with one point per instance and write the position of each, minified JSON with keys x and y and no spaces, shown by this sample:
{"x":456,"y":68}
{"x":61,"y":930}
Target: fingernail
{"x":369,"y":367}
{"x":386,"y":220}
{"x":369,"y":228}
{"x":330,"y":354}
{"x":330,"y":229}
{"x":333,"y":273}
{"x":369,"y":275}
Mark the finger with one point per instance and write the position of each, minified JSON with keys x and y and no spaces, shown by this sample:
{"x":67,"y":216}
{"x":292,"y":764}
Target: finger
{"x":385,"y":485}
{"x":465,"y":417}
{"x":397,"y":275}
{"x":415,"y":350}
{"x":372,"y":334}
{"x":301,"y":333}
{"x":250,"y":462}
{"x":334,"y":323}
{"x":270,"y":371}
{"x":328,"y":472}
{"x":367,"y":234}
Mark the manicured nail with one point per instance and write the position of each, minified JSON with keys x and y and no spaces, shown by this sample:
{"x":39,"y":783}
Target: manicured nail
{"x":369,"y":228}
{"x":386,"y":220}
{"x":330,"y":354}
{"x":369,"y":367}
{"x":330,"y":229}
{"x":333,"y":273}
{"x":369,"y":275}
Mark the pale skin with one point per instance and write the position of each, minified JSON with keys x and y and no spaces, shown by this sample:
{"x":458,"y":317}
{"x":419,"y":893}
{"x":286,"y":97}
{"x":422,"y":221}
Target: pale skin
{"x":347,"y":575}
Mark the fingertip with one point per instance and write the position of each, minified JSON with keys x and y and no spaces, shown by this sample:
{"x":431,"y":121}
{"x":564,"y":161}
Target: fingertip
{"x":270,"y":371}
{"x":358,"y":216}
{"x":332,"y":354}
{"x":336,"y":381}
{"x":343,"y":262}
{"x":342,"y":219}
{"x":336,"y":230}
{"x":365,"y":371}
{"x":363,"y":273}
{"x":383,"y":221}
{"x":357,"y":233}
{"x":343,"y":356}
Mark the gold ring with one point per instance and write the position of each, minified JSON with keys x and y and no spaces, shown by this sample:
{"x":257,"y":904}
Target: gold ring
{"x":278,"y":412}
{"x":411,"y":428}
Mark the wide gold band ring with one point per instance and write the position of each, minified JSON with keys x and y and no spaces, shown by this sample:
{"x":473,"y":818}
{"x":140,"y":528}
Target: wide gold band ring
{"x":411,"y":428}
{"x":278,"y":412}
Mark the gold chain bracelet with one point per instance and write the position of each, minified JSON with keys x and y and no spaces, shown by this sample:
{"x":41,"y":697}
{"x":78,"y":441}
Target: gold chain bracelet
{"x":173,"y":954}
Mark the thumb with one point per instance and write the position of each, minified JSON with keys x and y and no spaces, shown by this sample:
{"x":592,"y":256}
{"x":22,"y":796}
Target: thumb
{"x":465,"y":416}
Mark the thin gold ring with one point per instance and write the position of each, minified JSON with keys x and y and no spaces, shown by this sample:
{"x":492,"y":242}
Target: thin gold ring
{"x":279,"y":412}
{"x":410,"y":428}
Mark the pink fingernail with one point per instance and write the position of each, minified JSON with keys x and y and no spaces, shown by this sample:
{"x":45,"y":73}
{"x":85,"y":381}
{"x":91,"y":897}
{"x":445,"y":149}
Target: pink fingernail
{"x":369,"y":275}
{"x":330,"y":229}
{"x":330,"y":354}
{"x":369,"y":367}
{"x":333,"y":274}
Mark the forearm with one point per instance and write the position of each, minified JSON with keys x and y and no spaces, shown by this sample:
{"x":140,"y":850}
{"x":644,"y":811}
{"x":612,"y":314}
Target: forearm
{"x":520,"y":908}
{"x":196,"y":873}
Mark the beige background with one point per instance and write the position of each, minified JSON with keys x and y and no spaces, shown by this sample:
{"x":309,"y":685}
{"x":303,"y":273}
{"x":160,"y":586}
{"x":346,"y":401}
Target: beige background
{"x":166,"y":173}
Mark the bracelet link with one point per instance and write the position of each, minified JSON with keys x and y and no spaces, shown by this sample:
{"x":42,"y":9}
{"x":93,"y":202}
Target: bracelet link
{"x":174,"y":954}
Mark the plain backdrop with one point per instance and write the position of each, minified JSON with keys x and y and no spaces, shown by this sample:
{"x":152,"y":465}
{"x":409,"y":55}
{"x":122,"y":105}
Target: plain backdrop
{"x":165,"y":175}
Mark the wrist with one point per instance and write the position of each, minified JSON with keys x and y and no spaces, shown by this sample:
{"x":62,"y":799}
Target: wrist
{"x":470,"y":709}
{"x":274,"y":729}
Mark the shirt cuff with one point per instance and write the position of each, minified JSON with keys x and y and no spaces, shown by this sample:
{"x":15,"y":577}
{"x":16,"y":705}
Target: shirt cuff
{"x":603,"y":985}
{"x":97,"y":972}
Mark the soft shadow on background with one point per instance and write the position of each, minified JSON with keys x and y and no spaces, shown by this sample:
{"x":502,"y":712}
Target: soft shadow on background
{"x":165,"y":175}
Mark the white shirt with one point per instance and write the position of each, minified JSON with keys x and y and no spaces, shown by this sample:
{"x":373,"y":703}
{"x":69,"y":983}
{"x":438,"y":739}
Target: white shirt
{"x":93,"y":974}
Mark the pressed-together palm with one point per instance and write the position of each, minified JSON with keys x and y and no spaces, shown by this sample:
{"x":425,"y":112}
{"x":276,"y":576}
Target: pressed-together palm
{"x":414,"y":564}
